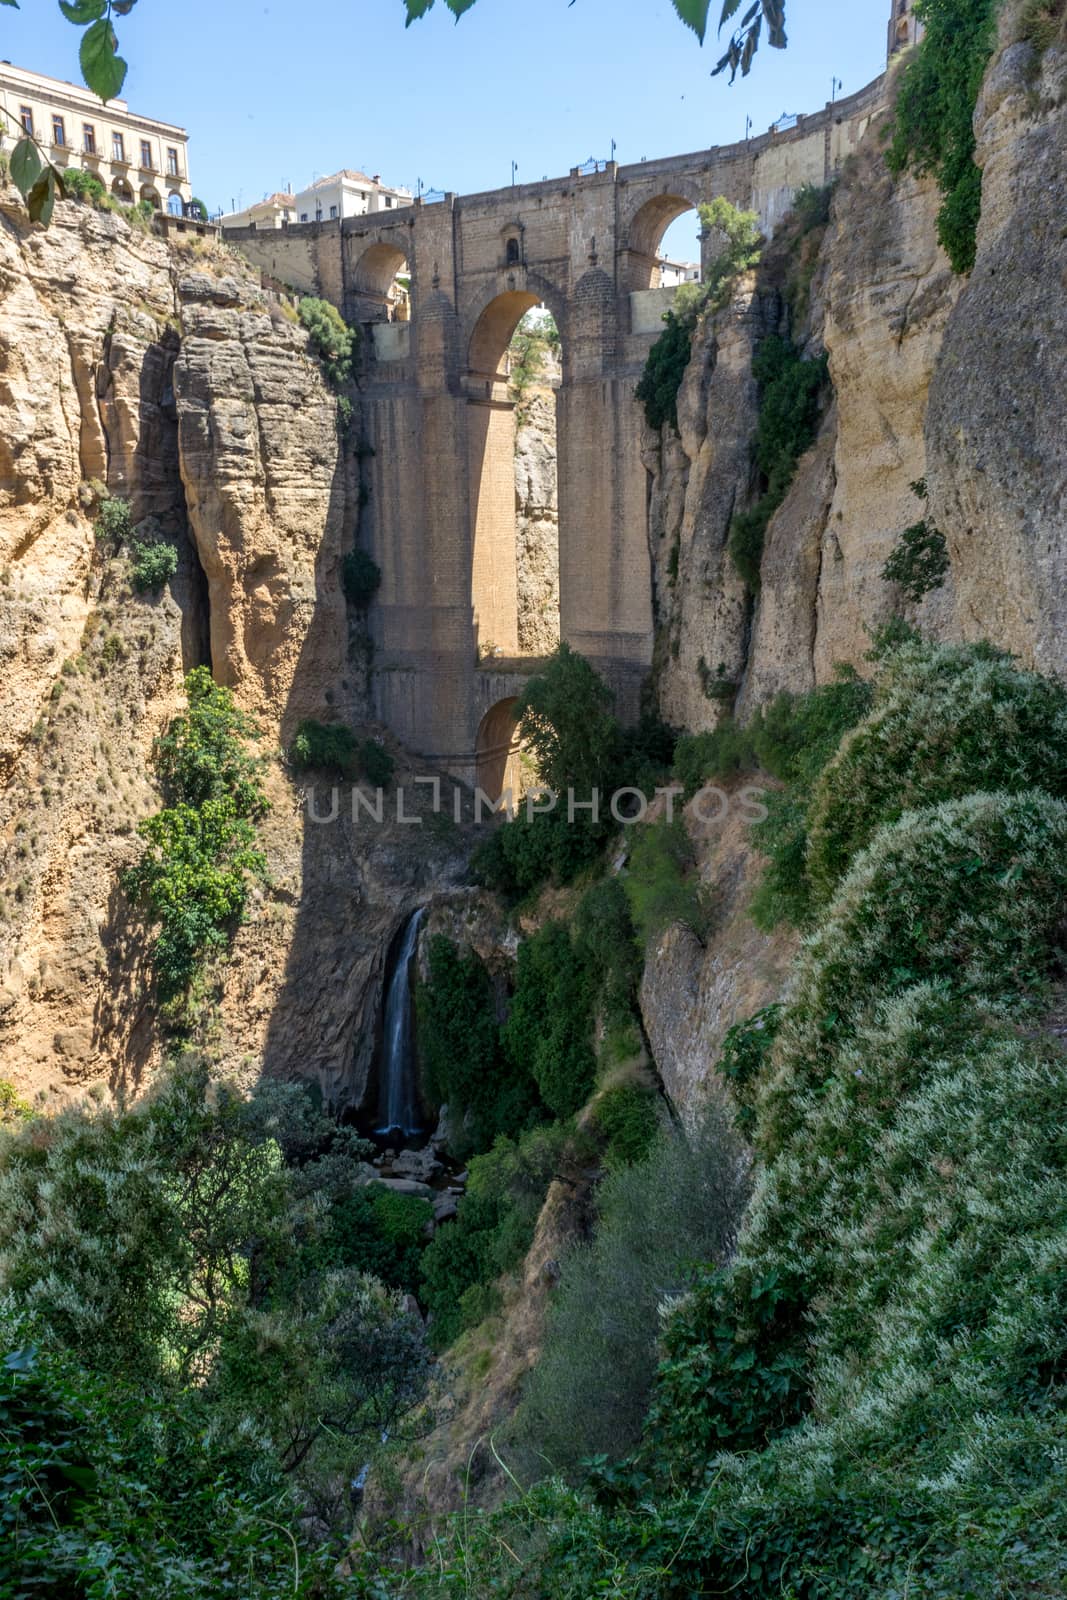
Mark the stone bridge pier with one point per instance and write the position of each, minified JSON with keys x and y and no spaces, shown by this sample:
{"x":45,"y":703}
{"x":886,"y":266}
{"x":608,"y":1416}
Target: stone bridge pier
{"x":439,"y":517}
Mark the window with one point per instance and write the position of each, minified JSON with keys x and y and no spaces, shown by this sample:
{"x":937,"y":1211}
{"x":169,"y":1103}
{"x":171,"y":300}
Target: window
{"x":88,"y":138}
{"x":388,"y":201}
{"x":26,"y":118}
{"x":512,"y":257}
{"x":333,"y":211}
{"x":118,"y":147}
{"x":146,"y":154}
{"x":172,"y":161}
{"x":318,"y":213}
{"x":59,"y":132}
{"x":303,"y":216}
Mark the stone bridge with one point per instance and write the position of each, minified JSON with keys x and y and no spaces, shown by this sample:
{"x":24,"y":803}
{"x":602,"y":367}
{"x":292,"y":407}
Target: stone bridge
{"x":440,"y":513}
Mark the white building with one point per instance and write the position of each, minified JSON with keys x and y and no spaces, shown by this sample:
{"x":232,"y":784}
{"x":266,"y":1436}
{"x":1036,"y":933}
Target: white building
{"x":273,"y":211}
{"x":672,"y":273}
{"x":348,"y":194}
{"x":135,"y":157}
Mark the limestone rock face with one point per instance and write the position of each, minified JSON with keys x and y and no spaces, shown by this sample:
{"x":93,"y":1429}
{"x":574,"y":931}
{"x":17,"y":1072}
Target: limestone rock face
{"x":700,"y":477}
{"x":997,"y":447}
{"x":270,"y":482}
{"x":938,"y":377}
{"x":691,"y":994}
{"x":89,"y":673}
{"x":537,"y":515}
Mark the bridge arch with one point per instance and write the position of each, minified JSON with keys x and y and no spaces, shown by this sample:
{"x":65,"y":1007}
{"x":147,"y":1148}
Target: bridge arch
{"x":372,"y":280}
{"x":497,"y":764}
{"x":645,"y":231}
{"x":491,"y":437}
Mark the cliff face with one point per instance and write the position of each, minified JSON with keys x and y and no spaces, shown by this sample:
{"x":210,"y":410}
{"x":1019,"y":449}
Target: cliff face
{"x":537,"y":513}
{"x":933,"y":376}
{"x":161,"y":372}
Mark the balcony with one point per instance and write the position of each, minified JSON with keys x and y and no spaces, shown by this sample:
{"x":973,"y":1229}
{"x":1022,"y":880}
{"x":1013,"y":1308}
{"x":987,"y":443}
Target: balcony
{"x":149,"y":169}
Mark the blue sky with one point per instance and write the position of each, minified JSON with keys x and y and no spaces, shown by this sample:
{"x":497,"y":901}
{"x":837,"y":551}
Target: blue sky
{"x":279,"y":90}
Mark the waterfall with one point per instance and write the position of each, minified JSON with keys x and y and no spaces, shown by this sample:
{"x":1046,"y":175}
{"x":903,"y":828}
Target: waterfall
{"x":398,"y":1100}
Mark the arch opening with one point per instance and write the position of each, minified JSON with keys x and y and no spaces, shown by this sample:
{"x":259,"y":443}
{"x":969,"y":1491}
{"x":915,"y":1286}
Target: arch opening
{"x":498,"y":751}
{"x":152,"y":196}
{"x":381,"y":284}
{"x":122,"y":191}
{"x":175,"y":207}
{"x":513,"y":386}
{"x":655,"y":237}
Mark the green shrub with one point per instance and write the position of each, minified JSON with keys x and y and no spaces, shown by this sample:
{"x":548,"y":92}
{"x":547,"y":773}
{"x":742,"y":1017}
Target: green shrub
{"x":194,"y":879}
{"x":519,"y":856}
{"x":195,"y":874}
{"x":325,"y":746}
{"x":565,"y":721}
{"x":948,"y":720}
{"x":81,"y":185}
{"x":375,"y":763}
{"x":198,"y":209}
{"x":933,"y":120}
{"x":492,"y":1232}
{"x":459,"y":1048}
{"x":203,"y":755}
{"x":626,"y":1116}
{"x":745,"y":1053}
{"x":660,"y":883}
{"x":723,"y":753}
{"x":361,"y":577}
{"x":968,"y":892}
{"x":13,"y":1109}
{"x":789,"y":387}
{"x":605,"y":947}
{"x":114,"y":523}
{"x":153,"y":565}
{"x":333,"y":341}
{"x":679,"y":1204}
{"x":549,"y":1027}
{"x":378,"y":1232}
{"x":919,"y":560}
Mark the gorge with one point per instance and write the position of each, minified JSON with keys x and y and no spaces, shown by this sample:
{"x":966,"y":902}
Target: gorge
{"x":737,"y":1263}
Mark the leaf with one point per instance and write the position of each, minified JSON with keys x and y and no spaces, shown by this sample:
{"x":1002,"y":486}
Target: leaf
{"x":751,"y":46}
{"x":123,"y":7}
{"x":730,"y":8}
{"x":458,"y":7}
{"x":416,"y":9}
{"x":82,"y":1477}
{"x":14,"y":3}
{"x":26,"y":165}
{"x":41,"y":200}
{"x":81,"y":12}
{"x":694,"y":13}
{"x":102,"y":68}
{"x":774,"y":11}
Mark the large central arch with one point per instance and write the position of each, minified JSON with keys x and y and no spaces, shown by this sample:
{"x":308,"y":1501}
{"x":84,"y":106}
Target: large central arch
{"x":491,"y":462}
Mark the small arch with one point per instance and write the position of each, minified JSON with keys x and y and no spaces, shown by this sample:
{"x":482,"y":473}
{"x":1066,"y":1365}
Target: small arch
{"x":381,"y":282}
{"x":497,"y":751}
{"x":645,"y":235}
{"x":122,"y":191}
{"x":512,"y":252}
{"x":152,"y":196}
{"x":175,"y":207}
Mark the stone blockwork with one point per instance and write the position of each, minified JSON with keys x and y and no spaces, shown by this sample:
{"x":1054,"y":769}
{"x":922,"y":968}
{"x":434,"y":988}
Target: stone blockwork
{"x":586,"y":247}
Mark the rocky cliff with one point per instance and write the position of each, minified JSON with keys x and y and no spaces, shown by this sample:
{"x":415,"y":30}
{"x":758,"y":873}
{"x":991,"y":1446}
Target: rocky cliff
{"x":159,"y":373}
{"x":932,"y":376}
{"x":537,"y":511}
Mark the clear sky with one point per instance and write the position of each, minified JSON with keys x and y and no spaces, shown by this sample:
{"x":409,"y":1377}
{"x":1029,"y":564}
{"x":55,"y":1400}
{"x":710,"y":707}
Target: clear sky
{"x":274,"y":91}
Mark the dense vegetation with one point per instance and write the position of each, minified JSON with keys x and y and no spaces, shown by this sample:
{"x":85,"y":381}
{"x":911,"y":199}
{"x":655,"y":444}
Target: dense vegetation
{"x":153,"y":559}
{"x":933,"y":121}
{"x":333,"y":341}
{"x":195,"y":1357}
{"x":201,"y":855}
{"x":333,"y":747}
{"x":868,"y":1396}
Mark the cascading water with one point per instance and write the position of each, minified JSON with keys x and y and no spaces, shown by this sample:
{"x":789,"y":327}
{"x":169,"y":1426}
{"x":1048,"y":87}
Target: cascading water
{"x":398,"y":1099}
